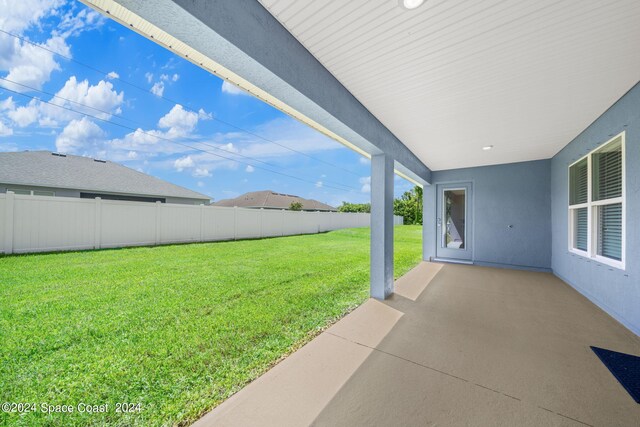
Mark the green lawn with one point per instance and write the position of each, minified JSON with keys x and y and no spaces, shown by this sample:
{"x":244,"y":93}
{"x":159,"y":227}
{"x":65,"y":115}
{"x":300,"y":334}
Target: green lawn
{"x":178,"y":328}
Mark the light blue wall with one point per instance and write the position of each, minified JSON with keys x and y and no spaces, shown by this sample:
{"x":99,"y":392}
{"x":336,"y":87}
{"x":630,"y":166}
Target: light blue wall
{"x":515,"y":194}
{"x":614,"y":290}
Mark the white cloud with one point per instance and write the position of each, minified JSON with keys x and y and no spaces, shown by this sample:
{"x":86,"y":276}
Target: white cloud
{"x":319,"y":184}
{"x":201,"y":173}
{"x":5,"y":130}
{"x":250,"y":169}
{"x":167,"y":77}
{"x":149,"y":77}
{"x":155,"y":144}
{"x":366,"y":184}
{"x":7,"y":104}
{"x":229,"y":147}
{"x":72,"y":24}
{"x":80,"y":136}
{"x":364,"y":161}
{"x":48,"y":122}
{"x":140,"y":138}
{"x":232,"y":89}
{"x":157,"y":89}
{"x":79,"y":96}
{"x":203,"y":115}
{"x":101,"y":96}
{"x":17,"y":16}
{"x":179,"y":121}
{"x":25,"y":115}
{"x":27,"y":64}
{"x":113,"y":75}
{"x":183,"y":163}
{"x":200,"y":184}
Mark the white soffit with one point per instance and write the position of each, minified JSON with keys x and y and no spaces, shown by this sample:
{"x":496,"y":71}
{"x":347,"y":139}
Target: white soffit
{"x":454,"y":76}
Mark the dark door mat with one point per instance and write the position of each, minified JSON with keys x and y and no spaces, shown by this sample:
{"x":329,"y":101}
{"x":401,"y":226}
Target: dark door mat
{"x":625,"y":367}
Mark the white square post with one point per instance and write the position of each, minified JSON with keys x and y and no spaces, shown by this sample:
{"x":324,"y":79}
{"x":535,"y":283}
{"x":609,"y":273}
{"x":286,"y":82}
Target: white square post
{"x":381,"y":226}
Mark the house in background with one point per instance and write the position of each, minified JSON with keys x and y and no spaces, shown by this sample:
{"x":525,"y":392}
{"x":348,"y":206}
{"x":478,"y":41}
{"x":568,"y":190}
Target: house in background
{"x":268,"y":199}
{"x":42,"y":173}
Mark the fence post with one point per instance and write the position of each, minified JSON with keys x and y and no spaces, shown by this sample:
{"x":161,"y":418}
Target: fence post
{"x":318,"y":221}
{"x":8,"y":223}
{"x":235,"y":223}
{"x":201,"y":223}
{"x":97,"y":235}
{"x":158,"y":221}
{"x":261,"y":215}
{"x":282,"y":222}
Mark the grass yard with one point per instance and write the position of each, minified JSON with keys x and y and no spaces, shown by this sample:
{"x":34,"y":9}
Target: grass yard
{"x":178,"y":328}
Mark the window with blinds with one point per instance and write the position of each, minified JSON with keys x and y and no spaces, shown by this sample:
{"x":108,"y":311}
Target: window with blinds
{"x":579,"y":183}
{"x":581,"y":223}
{"x":596,"y":204}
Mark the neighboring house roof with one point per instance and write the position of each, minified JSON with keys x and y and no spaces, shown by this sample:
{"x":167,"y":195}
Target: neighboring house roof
{"x":272,"y":200}
{"x":46,"y":169}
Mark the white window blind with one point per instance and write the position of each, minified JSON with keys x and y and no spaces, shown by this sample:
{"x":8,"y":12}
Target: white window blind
{"x":596,"y":204}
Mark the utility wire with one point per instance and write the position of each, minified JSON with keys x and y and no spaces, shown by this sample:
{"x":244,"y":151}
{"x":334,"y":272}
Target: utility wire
{"x":53,"y":95}
{"x":167,"y":139}
{"x":140,"y":88}
{"x":139,"y":124}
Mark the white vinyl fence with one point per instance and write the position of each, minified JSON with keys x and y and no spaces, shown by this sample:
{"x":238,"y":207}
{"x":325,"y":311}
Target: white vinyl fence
{"x":42,"y":223}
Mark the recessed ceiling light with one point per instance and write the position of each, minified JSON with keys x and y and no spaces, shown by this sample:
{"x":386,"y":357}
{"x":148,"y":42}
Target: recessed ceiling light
{"x":411,"y":4}
{"x":487,"y":147}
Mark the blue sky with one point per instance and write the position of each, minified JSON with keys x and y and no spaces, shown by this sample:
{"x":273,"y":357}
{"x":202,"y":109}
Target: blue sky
{"x":141,"y":77}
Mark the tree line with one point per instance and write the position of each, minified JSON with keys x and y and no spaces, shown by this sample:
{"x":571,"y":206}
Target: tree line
{"x":409,"y":206}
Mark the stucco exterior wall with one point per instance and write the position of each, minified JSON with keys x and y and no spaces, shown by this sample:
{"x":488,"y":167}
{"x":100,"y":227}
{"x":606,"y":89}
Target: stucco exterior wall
{"x":616,"y":291}
{"x":516,"y":195}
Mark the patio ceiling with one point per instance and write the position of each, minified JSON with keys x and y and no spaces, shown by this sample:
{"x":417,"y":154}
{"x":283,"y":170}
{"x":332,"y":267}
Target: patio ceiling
{"x":454,"y":76}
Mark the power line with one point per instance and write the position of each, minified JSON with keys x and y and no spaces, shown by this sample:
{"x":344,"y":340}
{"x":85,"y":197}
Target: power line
{"x":139,"y":124}
{"x":53,"y":95}
{"x":140,"y":88}
{"x":168,"y":140}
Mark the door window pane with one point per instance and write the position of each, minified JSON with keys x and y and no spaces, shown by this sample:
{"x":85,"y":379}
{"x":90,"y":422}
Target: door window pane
{"x":454,"y":204}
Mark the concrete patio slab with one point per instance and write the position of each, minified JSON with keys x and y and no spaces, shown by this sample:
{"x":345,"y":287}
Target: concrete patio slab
{"x":296,"y":390}
{"x":456,"y":345}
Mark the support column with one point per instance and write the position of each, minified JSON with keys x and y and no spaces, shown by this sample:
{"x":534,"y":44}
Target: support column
{"x":381,"y":226}
{"x":429,"y":215}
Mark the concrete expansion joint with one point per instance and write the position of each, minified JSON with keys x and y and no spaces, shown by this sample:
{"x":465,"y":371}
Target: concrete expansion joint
{"x":565,"y":416}
{"x":450,"y":375}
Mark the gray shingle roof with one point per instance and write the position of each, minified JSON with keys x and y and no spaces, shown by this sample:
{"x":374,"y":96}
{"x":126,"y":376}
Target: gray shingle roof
{"x":44,"y":169}
{"x":272,"y":200}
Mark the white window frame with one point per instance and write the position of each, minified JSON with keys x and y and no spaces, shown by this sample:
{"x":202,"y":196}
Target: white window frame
{"x":31,"y":192}
{"x":592,"y":211}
